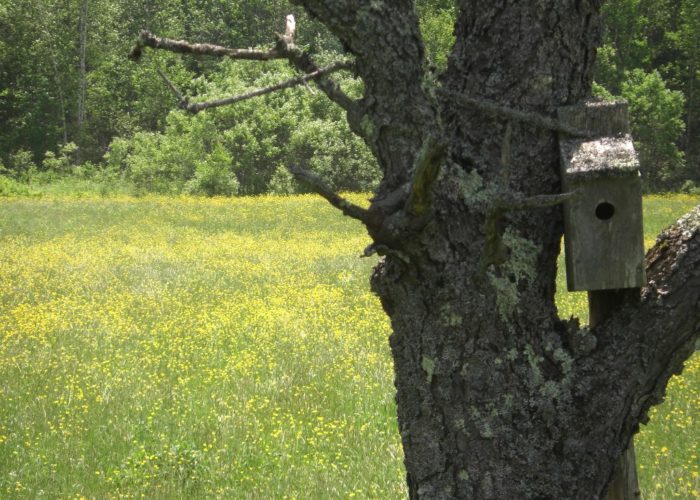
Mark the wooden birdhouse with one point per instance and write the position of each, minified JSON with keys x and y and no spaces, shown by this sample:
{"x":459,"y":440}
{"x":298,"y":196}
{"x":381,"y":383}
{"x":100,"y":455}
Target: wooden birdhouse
{"x":603,"y":233}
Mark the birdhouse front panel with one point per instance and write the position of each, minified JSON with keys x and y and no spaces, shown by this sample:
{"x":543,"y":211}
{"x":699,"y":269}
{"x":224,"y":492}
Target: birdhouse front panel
{"x":604,"y":238}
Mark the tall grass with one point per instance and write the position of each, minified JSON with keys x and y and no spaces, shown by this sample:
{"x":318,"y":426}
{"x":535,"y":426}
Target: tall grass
{"x":195,"y":348}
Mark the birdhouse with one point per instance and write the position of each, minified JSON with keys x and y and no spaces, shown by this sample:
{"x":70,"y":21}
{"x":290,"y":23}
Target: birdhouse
{"x":603,"y":233}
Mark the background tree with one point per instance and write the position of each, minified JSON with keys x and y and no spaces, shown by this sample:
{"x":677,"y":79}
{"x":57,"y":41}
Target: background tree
{"x":656,"y":36}
{"x":497,"y":396}
{"x":63,"y":80}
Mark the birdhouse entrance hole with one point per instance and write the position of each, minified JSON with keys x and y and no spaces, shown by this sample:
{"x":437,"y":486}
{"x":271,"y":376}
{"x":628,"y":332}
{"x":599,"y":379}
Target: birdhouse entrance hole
{"x":605,"y":210}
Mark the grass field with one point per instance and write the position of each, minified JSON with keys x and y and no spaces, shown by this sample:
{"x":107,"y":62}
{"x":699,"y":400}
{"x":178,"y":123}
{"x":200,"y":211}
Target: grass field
{"x":196,"y":348}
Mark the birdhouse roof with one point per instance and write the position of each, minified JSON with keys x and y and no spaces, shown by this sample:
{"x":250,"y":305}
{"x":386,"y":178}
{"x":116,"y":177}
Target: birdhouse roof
{"x":601,"y":157}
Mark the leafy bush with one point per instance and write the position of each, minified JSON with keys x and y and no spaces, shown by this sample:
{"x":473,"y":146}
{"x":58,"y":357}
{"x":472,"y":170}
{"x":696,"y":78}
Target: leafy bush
{"x":213,"y":176}
{"x":283,"y":182}
{"x":344,"y":164}
{"x":61,"y":164}
{"x":656,"y":116}
{"x":163,"y":163}
{"x":22,"y":166}
{"x":690,"y":187}
{"x":656,"y":120}
{"x":10,"y":187}
{"x":239,"y":148}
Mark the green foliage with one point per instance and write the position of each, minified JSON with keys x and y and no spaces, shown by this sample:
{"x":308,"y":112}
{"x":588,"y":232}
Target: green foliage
{"x":690,"y":187}
{"x":213,"y":175}
{"x":240,"y":148}
{"x":660,"y":36}
{"x":656,"y":120}
{"x":10,"y":187}
{"x":437,"y":27}
{"x":62,"y":163}
{"x":22,"y":166}
{"x":327,"y":148}
{"x":283,"y":182}
{"x":40,"y":85}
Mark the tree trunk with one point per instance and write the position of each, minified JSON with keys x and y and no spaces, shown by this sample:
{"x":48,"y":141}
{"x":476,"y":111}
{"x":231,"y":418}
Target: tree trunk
{"x":61,"y":100}
{"x":488,"y":402}
{"x":82,"y":90}
{"x":498,"y":398}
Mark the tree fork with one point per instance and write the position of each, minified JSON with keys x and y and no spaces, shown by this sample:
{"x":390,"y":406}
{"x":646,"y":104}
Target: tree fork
{"x":497,"y":396}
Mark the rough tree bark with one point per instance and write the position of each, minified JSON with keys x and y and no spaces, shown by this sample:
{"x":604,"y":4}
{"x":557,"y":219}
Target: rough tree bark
{"x":497,"y":396}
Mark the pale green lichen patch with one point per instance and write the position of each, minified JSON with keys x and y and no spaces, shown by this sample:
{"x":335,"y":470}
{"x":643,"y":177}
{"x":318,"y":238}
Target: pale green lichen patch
{"x":485,"y":430}
{"x":448,"y":317}
{"x":521,"y":266}
{"x":473,"y":189}
{"x":484,"y":422}
{"x":551,"y":390}
{"x":428,"y":366}
{"x":534,"y":360}
{"x":690,"y":223}
{"x":507,"y":401}
{"x":564,"y":359}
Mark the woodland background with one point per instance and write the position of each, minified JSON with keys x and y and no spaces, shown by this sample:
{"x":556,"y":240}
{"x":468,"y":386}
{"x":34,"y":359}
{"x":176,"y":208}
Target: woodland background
{"x":73,"y":108}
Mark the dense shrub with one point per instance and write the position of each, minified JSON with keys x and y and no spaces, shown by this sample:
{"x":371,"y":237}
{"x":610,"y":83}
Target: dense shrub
{"x":244,"y":148}
{"x":61,"y":164}
{"x":22,"y":166}
{"x":656,"y":116}
{"x":657,"y":125}
{"x":10,"y":187}
{"x":283,"y":182}
{"x":213,"y":175}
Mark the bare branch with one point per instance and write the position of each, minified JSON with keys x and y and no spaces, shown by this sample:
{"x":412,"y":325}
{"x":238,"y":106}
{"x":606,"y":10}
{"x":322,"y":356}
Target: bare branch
{"x":534,"y":202}
{"x":491,"y":108}
{"x":300,"y":80}
{"x":148,"y":39}
{"x":303,"y":62}
{"x":181,"y":99}
{"x":283,"y":49}
{"x":348,"y":208}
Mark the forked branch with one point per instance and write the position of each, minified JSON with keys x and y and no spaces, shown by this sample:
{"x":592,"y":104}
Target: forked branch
{"x":284,"y":48}
{"x":292,"y":82}
{"x":148,"y":39}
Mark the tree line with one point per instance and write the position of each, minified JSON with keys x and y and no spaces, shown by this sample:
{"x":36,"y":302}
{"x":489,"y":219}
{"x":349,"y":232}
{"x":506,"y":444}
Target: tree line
{"x":71,"y":103}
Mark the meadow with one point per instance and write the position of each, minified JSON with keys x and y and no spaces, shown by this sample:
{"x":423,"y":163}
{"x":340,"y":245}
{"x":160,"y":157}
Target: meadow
{"x":188,"y":347}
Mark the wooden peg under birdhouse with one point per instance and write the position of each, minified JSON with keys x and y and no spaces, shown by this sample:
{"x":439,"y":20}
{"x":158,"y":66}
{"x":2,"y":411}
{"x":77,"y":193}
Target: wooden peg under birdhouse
{"x":603,"y":233}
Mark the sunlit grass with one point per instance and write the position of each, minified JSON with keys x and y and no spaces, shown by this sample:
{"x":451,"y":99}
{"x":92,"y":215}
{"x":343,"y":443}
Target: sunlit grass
{"x":191,"y":347}
{"x":227,"y":347}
